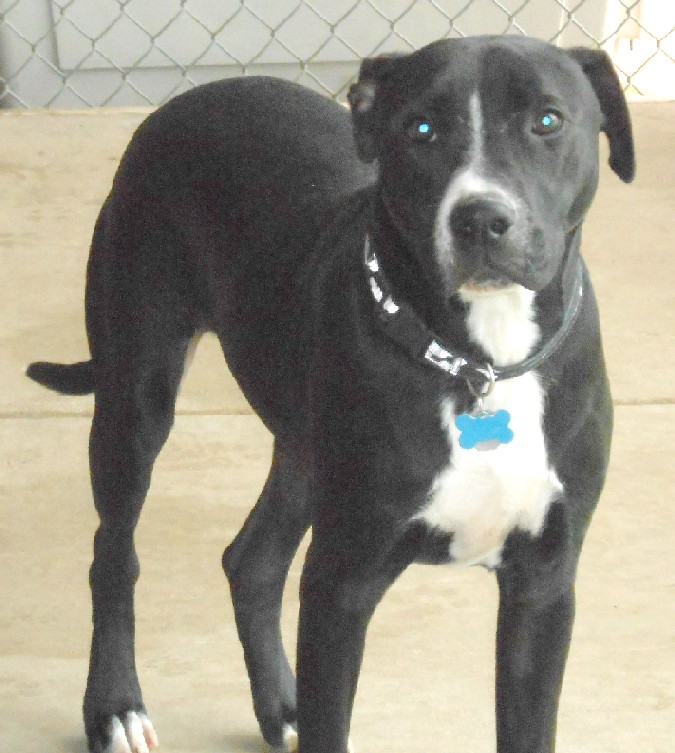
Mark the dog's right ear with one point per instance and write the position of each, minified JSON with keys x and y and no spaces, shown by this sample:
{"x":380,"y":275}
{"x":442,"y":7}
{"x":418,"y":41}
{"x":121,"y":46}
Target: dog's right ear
{"x":362,"y":98}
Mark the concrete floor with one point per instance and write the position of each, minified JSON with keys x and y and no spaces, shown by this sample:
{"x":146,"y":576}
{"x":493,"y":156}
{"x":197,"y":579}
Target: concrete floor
{"x":428,"y":674}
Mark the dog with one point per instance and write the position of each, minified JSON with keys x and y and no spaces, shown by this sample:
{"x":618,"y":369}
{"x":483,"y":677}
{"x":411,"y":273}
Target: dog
{"x":400,"y":295}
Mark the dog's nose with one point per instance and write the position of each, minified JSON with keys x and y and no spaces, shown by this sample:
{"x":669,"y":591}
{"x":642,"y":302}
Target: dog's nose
{"x":481,"y":220}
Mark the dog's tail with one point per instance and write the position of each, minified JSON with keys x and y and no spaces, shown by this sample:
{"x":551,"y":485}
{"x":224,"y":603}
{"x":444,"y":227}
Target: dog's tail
{"x":68,"y":379}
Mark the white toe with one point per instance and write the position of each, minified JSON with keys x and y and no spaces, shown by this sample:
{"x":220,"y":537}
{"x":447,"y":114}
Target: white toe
{"x":118,"y":738}
{"x":148,"y":731}
{"x":135,"y":734}
{"x":290,"y":739}
{"x":291,"y":742}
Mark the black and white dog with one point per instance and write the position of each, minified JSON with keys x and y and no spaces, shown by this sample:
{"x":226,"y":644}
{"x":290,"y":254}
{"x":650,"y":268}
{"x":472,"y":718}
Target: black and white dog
{"x":401,"y":298}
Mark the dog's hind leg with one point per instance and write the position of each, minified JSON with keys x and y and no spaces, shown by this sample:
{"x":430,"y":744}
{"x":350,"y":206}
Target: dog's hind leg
{"x":134,"y":410}
{"x":256,"y":564}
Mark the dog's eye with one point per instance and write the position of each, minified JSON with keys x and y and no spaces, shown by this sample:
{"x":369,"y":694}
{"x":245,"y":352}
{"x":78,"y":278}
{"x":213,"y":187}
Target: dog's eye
{"x":549,"y":121}
{"x":421,"y":131}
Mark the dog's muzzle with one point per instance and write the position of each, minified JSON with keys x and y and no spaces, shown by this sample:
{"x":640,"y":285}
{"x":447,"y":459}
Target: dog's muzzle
{"x":482,"y":229}
{"x":481,"y":223}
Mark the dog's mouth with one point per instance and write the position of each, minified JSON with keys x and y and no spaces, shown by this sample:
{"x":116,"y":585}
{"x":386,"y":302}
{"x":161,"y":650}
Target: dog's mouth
{"x":487,"y":286}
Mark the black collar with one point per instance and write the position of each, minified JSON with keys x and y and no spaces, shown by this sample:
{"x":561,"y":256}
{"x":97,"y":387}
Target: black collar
{"x":403,"y":325}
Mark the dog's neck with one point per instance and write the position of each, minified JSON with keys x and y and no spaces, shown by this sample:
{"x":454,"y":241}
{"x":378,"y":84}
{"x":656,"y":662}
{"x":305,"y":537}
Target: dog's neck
{"x":447,"y":321}
{"x":416,"y":280}
{"x":553,"y":301}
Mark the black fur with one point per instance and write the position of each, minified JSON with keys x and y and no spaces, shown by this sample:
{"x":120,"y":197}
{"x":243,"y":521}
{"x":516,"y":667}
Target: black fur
{"x":241,"y":208}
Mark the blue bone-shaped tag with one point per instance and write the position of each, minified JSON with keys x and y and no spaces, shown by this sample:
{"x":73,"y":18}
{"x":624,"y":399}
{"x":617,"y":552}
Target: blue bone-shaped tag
{"x":485,"y":430}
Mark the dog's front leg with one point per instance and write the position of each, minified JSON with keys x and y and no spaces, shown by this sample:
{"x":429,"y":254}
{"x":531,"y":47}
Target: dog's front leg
{"x":338,"y":599}
{"x":532,"y":643}
{"x":536,"y":612}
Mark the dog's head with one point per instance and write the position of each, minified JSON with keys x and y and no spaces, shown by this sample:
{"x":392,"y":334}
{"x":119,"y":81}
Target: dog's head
{"x":488,"y":151}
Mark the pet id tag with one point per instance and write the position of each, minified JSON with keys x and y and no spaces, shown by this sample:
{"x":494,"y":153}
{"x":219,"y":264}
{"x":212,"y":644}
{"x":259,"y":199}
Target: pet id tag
{"x":483,"y":429}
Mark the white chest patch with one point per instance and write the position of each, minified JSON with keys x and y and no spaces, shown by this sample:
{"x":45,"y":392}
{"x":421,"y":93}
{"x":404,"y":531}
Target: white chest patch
{"x":481,"y":496}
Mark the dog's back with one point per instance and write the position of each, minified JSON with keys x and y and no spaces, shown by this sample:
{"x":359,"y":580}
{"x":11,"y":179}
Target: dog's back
{"x":215,"y":209}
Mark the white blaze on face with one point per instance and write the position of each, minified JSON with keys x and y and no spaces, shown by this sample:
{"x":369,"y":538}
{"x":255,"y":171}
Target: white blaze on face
{"x":469,"y":180}
{"x":476,"y":122}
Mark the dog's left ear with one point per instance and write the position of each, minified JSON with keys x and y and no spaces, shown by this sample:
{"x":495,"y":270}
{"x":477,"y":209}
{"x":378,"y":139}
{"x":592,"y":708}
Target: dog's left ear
{"x":598,"y":67}
{"x":362,"y":98}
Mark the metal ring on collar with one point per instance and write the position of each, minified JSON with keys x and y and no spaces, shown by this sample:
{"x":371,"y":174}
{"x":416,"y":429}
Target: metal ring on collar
{"x":488,"y":384}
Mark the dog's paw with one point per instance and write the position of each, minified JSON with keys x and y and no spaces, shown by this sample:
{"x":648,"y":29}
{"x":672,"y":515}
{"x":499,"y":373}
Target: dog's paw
{"x":291,"y":742}
{"x":132,"y":734}
{"x":290,"y":739}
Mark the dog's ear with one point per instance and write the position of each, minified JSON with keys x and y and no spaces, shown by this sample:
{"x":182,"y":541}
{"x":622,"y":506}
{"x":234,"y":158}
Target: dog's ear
{"x":362,"y":96}
{"x":599,"y":70}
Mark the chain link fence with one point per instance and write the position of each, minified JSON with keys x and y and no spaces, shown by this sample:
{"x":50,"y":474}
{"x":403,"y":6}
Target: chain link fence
{"x":83,"y":53}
